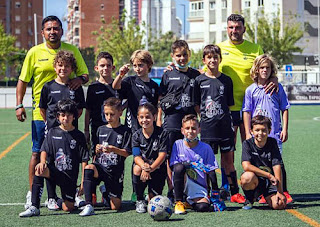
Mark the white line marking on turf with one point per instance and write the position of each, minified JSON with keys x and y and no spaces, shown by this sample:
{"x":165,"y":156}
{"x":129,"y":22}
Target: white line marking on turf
{"x":316,"y":118}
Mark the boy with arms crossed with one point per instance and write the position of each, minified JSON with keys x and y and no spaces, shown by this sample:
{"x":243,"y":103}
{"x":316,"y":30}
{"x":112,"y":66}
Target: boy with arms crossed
{"x":62,"y":151}
{"x":114,"y":141}
{"x":214,"y":95}
{"x":193,"y":183}
{"x":261,"y":161}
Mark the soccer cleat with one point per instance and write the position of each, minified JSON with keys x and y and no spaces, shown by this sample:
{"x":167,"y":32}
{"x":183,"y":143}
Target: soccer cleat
{"x":218,"y":204}
{"x":141,"y":206}
{"x":87,"y":211}
{"x":247,"y":205}
{"x":288,"y":196}
{"x":187,"y":205}
{"x":179,"y":208}
{"x":31,"y":211}
{"x":262,"y":200}
{"x":52,"y":205}
{"x":28,"y":202}
{"x":94,"y":199}
{"x":237,"y":198}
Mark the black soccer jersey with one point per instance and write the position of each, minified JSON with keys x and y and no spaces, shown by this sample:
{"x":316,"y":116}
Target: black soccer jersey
{"x":119,"y":137}
{"x":214,"y":96}
{"x":65,"y":150}
{"x":135,"y":90}
{"x":97,"y":93}
{"x":51,"y":93}
{"x":171,"y":82}
{"x":264,"y":158}
{"x":150,"y":148}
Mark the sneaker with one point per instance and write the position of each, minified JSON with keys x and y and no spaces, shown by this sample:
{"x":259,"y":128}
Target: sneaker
{"x":237,"y":198}
{"x":87,"y":211}
{"x":224,"y":194}
{"x":288,"y":196}
{"x":31,"y":211}
{"x":79,"y":201}
{"x":179,"y":208}
{"x":28,"y":202}
{"x":52,"y":205}
{"x":141,"y":206}
{"x":217,"y":202}
{"x":187,"y":205}
{"x":262,"y":200}
{"x":247,"y":205}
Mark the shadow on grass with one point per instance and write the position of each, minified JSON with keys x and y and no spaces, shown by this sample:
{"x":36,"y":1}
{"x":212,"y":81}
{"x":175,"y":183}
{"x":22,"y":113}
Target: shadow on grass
{"x":311,"y":197}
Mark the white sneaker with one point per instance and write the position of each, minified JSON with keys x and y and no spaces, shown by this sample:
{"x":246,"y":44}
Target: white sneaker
{"x":53,"y":205}
{"x":28,"y":202}
{"x":141,"y":206}
{"x":31,"y":211}
{"x":87,"y":211}
{"x":79,"y":201}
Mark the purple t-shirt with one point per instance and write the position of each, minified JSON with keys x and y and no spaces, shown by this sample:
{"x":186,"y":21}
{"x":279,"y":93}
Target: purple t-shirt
{"x":257,"y":102}
{"x":182,"y":153}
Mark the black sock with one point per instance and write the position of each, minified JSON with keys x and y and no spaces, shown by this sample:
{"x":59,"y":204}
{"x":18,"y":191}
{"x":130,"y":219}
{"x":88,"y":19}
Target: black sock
{"x":178,"y":181}
{"x":139,"y":187}
{"x":249,"y":195}
{"x":201,"y":207}
{"x":213,"y":179}
{"x":284,"y":178}
{"x":234,"y":189}
{"x":51,"y":189}
{"x":87,"y":184}
{"x":37,"y":187}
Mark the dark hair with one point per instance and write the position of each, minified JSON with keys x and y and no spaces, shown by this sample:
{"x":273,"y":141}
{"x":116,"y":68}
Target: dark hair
{"x":179,"y":44}
{"x":261,"y":120}
{"x":113,"y":102}
{"x":236,"y":17}
{"x":211,"y":49}
{"x":149,"y":107}
{"x":65,"y":57}
{"x":66,"y":106}
{"x":190,"y":117}
{"x":105,"y":55}
{"x":50,"y":18}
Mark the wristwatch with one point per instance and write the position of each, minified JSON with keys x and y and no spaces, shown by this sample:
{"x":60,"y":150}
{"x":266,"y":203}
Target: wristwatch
{"x":84,"y":79}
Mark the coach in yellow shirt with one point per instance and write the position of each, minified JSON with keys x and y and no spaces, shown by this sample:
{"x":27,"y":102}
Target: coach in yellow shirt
{"x":38,"y":65}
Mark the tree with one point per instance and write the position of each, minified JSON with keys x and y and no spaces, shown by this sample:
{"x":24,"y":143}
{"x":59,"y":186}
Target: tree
{"x":196,"y":59}
{"x":279,"y":44}
{"x":6,"y":48}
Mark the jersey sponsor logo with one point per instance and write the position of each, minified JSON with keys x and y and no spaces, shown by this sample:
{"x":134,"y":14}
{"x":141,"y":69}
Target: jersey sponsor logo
{"x":100,"y":92}
{"x":119,"y":139}
{"x":55,"y":92}
{"x":174,"y":78}
{"x":139,"y":85}
{"x":57,"y":137}
{"x":73,"y":144}
{"x":205,"y":86}
{"x":185,"y":100}
{"x":192,"y":82}
{"x":212,"y":108}
{"x":44,"y":59}
{"x":108,"y":159}
{"x":225,"y":53}
{"x":255,"y":153}
{"x":103,"y":135}
{"x":69,"y":197}
{"x":62,"y":161}
{"x":72,"y":94}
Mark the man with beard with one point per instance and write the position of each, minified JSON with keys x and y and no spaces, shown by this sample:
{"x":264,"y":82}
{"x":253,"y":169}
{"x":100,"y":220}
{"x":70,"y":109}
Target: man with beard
{"x":38,"y":65}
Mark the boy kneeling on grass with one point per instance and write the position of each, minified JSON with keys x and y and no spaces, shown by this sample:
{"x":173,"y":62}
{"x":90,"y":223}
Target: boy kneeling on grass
{"x":261,"y":161}
{"x":63,"y":149}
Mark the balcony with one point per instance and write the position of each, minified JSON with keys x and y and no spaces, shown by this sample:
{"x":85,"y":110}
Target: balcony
{"x":196,"y":14}
{"x":195,"y":35}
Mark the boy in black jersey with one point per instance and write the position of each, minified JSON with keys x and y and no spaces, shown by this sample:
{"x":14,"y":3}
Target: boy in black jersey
{"x":178,"y":82}
{"x":261,"y":161}
{"x":63,"y":149}
{"x":114,"y":145}
{"x":149,"y":148}
{"x":58,"y":89}
{"x":99,"y":91}
{"x":213,"y":96}
{"x":137,"y":89}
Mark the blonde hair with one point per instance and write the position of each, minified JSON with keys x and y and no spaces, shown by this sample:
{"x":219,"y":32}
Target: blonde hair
{"x":143,"y":56}
{"x":254,"y":72}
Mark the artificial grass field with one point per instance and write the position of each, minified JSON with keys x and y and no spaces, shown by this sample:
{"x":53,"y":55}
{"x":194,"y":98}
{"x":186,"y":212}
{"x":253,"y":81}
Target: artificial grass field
{"x":300,"y":154}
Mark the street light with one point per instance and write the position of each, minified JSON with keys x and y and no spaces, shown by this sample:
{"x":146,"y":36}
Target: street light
{"x":184,"y":20}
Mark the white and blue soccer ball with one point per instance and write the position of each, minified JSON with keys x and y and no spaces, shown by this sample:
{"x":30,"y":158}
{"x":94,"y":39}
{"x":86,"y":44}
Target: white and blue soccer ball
{"x":160,"y":208}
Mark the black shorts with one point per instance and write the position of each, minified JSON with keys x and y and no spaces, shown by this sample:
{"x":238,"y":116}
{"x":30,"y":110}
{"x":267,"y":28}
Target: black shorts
{"x":68,"y":186}
{"x":265,"y":187}
{"x":225,"y":145}
{"x":173,"y":136}
{"x":112,"y":182}
{"x":236,"y":118}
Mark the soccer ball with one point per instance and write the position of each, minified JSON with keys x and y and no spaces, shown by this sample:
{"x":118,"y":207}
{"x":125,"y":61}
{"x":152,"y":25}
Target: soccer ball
{"x":160,"y":208}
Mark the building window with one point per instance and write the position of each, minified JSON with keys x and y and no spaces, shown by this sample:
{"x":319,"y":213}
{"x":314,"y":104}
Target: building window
{"x":18,"y":31}
{"x":200,"y":6}
{"x":224,"y":4}
{"x":30,"y":32}
{"x":18,"y":18}
{"x":260,"y":3}
{"x":102,"y":6}
{"x":29,"y":4}
{"x":102,"y":17}
{"x":76,"y":8}
{"x":212,"y":5}
{"x":197,"y":6}
{"x":18,"y":44}
{"x":29,"y":17}
{"x":76,"y":31}
{"x":18,"y":4}
{"x":247,"y":4}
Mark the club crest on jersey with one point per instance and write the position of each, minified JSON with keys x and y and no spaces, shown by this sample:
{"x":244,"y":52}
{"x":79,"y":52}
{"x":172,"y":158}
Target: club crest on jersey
{"x":155,"y":145}
{"x":119,"y":139}
{"x":192,"y":82}
{"x":221,"y":90}
{"x":73,"y":144}
{"x":72,"y":94}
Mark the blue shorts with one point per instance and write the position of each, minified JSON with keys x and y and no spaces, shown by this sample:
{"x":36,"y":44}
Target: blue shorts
{"x":38,"y":132}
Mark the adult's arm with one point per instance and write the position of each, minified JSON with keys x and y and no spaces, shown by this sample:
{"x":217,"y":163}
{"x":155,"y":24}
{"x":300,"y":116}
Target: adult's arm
{"x":20,"y":92}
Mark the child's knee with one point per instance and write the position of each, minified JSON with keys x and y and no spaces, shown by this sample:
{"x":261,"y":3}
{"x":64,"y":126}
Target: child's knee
{"x":249,"y":179}
{"x":90,"y":166}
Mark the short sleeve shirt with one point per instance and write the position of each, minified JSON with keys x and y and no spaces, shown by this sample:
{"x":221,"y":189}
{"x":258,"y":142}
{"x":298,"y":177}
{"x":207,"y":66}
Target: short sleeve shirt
{"x":214,"y":96}
{"x":38,"y":65}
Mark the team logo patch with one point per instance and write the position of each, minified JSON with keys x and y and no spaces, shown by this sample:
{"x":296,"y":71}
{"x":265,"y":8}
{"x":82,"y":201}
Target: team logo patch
{"x":192,"y":82}
{"x":73,"y":144}
{"x":153,"y":91}
{"x":155,"y":145}
{"x":221,"y":90}
{"x":72,"y":94}
{"x":119,"y":139}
